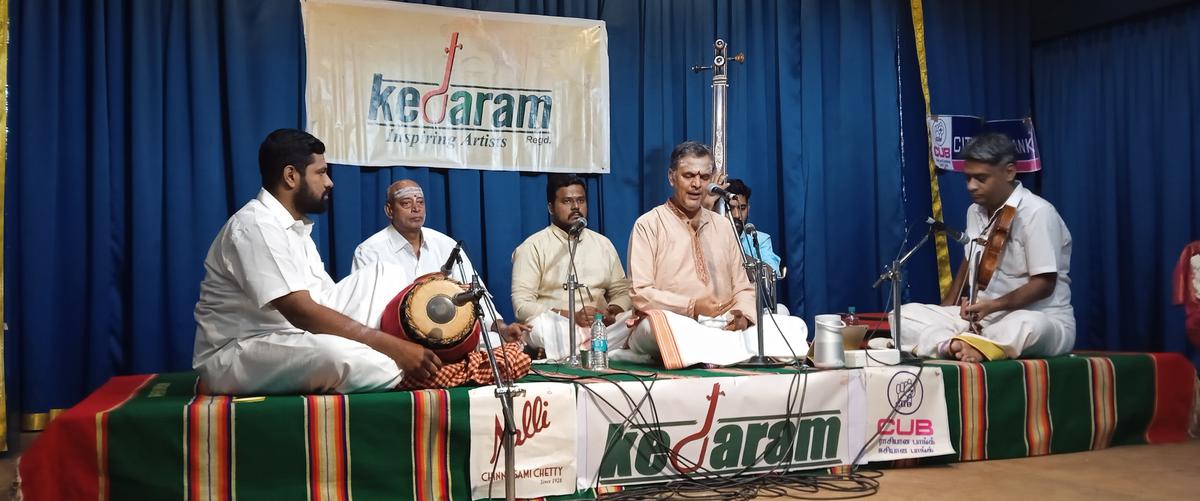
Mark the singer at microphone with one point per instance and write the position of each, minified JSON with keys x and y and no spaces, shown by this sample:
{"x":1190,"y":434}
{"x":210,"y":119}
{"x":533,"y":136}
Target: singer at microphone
{"x":577,"y":227}
{"x":541,"y":264}
{"x":719,"y":191}
{"x":689,"y":280}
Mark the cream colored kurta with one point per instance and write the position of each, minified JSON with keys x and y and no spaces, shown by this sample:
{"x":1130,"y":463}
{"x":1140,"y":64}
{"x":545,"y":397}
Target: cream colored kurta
{"x":540,"y":266}
{"x":672,"y":265}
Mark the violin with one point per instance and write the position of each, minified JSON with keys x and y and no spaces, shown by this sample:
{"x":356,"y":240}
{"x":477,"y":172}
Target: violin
{"x":987,"y":262}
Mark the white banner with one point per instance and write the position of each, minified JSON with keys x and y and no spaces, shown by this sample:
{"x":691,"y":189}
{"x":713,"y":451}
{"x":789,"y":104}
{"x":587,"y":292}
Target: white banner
{"x":545,"y":441}
{"x":713,"y":426}
{"x":393,"y":83}
{"x":919,"y":427}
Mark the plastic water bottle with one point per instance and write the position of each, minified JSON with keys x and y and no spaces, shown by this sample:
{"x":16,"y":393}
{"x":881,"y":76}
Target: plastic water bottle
{"x":851,"y":318}
{"x":599,"y":353}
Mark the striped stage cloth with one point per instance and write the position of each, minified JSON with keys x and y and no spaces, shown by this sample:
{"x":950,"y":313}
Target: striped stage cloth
{"x":156,"y":437}
{"x":1081,"y":402}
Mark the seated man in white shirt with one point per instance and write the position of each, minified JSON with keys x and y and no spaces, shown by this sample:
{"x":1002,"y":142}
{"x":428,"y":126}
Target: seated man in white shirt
{"x":540,"y":267}
{"x":269,"y":318}
{"x":406,"y":244}
{"x":1025,"y":310}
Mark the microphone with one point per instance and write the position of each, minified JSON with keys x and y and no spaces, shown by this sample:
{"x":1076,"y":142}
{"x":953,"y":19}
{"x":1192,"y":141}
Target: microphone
{"x":469,"y":296}
{"x":577,"y":227}
{"x":749,"y":229}
{"x":954,"y":234}
{"x":719,"y":191}
{"x":454,"y":258}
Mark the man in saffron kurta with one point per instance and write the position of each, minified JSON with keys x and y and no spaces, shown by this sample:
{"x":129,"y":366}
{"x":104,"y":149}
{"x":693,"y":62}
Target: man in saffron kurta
{"x":687,"y":278}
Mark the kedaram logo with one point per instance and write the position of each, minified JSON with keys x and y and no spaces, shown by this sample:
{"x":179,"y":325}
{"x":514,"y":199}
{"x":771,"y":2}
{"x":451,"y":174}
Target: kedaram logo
{"x":430,"y":113}
{"x":739,"y":444}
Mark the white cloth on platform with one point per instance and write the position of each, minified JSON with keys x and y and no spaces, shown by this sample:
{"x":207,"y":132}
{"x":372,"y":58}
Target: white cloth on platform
{"x":245,"y":346}
{"x":1020,"y":333}
{"x":551,"y":332}
{"x":389,"y":246}
{"x":678,"y":341}
{"x":1038,"y":243}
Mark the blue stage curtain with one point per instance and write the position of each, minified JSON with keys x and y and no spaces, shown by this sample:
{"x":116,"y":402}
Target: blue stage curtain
{"x":135,"y":127}
{"x":1116,"y":110}
{"x":978,"y":61}
{"x":841,"y":211}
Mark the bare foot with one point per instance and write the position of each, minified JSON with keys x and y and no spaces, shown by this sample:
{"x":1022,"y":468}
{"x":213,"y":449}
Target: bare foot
{"x":964,"y":352}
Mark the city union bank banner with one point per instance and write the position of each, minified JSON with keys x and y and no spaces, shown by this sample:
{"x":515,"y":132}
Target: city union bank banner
{"x":401,"y":84}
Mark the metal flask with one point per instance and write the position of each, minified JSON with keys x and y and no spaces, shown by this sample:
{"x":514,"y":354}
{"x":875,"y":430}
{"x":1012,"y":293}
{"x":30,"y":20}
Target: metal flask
{"x":828,"y":352}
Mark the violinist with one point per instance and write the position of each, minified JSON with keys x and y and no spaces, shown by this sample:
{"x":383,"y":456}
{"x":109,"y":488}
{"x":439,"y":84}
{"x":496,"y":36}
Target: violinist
{"x":1012,"y":296}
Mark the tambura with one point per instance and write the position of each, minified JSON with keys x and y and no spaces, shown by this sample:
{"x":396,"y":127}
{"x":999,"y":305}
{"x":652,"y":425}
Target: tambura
{"x":423,"y":313}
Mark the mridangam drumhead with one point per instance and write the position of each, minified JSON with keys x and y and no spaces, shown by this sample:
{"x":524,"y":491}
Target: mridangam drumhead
{"x":424,"y":313}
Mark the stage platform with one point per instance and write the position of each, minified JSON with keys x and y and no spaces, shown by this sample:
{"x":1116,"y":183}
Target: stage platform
{"x":154,"y":437}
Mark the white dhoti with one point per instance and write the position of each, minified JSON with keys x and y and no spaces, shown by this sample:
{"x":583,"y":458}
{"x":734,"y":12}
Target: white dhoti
{"x":298,"y":362}
{"x":1019,"y":333}
{"x":678,"y":341}
{"x":551,"y":332}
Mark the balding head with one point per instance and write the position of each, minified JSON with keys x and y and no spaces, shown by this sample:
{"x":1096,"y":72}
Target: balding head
{"x":394,"y":190}
{"x":405,"y":206}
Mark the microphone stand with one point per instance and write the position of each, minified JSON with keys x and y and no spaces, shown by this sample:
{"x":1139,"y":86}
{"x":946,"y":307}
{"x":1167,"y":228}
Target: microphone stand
{"x":754,"y":270}
{"x":572,"y":286}
{"x":895,"y":275}
{"x":505,"y":391}
{"x":762,"y":277}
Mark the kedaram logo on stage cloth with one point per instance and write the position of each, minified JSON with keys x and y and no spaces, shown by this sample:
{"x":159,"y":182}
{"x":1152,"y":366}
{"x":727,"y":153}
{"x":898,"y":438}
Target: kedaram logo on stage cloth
{"x":720,"y":446}
{"x":418,"y":112}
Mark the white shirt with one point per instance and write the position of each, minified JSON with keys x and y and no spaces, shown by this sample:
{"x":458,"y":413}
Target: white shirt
{"x":389,"y":246}
{"x":261,"y":254}
{"x":1038,"y":243}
